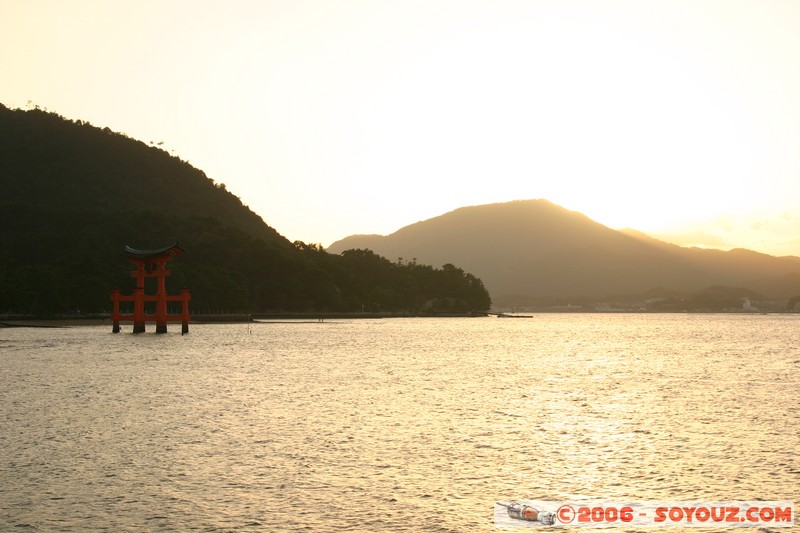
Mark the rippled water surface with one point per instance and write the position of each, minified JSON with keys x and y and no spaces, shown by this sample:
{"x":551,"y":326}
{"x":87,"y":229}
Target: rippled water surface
{"x":394,"y":424}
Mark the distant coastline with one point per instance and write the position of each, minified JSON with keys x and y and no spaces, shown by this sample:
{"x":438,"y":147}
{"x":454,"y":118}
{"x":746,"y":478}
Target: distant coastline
{"x":266,"y":318}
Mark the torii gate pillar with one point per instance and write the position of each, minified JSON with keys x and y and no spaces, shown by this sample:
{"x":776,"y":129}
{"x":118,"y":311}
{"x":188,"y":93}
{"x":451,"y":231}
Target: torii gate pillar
{"x":151,"y":264}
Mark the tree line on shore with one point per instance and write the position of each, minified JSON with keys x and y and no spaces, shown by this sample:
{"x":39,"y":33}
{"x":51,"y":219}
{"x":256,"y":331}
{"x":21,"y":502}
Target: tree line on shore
{"x":75,"y":195}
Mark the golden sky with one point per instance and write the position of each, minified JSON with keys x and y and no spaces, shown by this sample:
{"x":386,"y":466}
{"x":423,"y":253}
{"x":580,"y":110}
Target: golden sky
{"x":677,"y":118}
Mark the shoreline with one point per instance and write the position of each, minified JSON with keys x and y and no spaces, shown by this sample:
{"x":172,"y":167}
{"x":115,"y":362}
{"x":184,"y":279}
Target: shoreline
{"x":266,"y":318}
{"x":242,"y":318}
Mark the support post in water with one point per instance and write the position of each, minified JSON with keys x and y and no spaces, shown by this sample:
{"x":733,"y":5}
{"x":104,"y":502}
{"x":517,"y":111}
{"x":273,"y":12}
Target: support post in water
{"x":151,"y":264}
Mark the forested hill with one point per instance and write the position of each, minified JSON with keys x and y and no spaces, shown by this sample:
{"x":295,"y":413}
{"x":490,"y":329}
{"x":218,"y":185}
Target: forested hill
{"x":73,"y":195}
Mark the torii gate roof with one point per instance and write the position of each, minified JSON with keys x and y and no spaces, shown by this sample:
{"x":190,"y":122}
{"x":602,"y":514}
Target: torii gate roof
{"x":172,"y":250}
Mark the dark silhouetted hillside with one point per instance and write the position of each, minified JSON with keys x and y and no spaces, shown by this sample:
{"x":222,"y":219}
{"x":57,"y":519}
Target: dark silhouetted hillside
{"x":73,"y":195}
{"x":536,"y":250}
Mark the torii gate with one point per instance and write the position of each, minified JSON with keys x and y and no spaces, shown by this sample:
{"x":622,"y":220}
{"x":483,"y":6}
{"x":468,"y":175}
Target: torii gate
{"x":151,"y":264}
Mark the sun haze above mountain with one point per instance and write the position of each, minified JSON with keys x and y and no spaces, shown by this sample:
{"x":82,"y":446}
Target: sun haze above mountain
{"x":647,"y":114}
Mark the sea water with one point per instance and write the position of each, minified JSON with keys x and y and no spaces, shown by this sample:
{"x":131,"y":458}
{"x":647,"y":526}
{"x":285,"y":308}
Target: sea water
{"x":391,"y":424}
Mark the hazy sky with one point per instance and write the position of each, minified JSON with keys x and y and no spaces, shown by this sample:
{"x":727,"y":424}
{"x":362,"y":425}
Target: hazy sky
{"x":336,"y":117}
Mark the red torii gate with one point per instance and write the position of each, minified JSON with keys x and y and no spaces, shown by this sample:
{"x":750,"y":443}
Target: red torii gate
{"x":151,"y":264}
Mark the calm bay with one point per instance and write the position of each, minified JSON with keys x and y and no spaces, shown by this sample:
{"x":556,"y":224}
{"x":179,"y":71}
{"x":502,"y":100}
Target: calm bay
{"x":394,"y":424}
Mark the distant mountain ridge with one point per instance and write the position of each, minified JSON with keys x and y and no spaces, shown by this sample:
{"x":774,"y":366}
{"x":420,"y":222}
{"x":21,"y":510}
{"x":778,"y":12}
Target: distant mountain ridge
{"x":536,"y":249}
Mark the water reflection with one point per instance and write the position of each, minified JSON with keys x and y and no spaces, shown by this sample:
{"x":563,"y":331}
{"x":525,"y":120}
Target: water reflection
{"x":404,"y":424}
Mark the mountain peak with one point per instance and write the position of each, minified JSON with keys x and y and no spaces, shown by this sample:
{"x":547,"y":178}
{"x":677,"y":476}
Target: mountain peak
{"x":542,"y":250}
